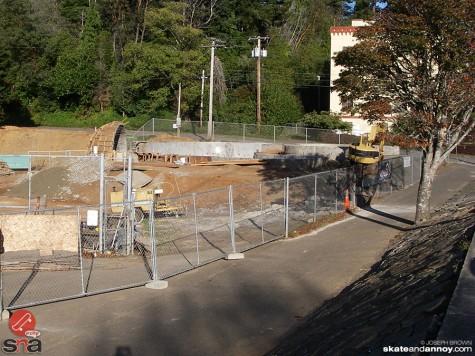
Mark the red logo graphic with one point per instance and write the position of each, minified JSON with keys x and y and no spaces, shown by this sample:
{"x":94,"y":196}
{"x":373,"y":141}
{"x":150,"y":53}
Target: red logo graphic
{"x":21,"y":321}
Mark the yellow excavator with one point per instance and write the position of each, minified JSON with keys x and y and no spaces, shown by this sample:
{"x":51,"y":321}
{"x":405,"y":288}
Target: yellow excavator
{"x":368,"y":148}
{"x":141,"y":208}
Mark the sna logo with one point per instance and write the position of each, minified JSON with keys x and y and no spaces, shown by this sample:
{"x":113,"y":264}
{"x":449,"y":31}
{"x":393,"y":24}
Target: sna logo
{"x":22,"y":323}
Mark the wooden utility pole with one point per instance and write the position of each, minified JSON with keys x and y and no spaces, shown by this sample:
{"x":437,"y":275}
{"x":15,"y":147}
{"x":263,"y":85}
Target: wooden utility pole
{"x":202,"y":92}
{"x":211,"y":83}
{"x":178,"y":115}
{"x":257,"y":52}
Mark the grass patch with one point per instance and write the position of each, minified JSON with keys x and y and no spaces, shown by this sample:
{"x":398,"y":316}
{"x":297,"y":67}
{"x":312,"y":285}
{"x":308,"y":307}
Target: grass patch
{"x":330,"y":219}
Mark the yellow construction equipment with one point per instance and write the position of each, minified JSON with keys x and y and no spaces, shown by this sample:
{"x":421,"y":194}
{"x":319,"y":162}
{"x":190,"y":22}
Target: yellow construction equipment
{"x":368,"y":148}
{"x":141,"y":208}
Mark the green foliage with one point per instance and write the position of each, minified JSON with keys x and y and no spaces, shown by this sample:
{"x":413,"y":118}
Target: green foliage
{"x":72,"y":119}
{"x":78,"y":58}
{"x":325,"y":120}
{"x":279,"y":102}
{"x":240,"y":106}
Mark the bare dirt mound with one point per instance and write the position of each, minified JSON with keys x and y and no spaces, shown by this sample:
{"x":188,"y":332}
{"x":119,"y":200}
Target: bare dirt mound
{"x":21,"y":140}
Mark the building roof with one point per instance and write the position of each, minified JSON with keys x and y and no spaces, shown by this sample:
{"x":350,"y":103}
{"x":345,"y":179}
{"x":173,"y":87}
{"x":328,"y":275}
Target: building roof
{"x":342,"y":29}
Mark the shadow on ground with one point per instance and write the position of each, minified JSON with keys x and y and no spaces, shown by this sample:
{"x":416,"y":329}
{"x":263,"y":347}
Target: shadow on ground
{"x":401,"y":301}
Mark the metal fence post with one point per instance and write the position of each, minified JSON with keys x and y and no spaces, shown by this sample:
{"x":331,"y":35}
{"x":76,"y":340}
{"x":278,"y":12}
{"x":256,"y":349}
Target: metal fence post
{"x":101,"y":204}
{"x":315,"y":198}
{"x":336,"y":190}
{"x":196,"y":229}
{"x":286,"y":206}
{"x":29,"y":183}
{"x":244,"y":133}
{"x":412,"y":169}
{"x":234,"y":255}
{"x":153,"y":242}
{"x":156,"y":283}
{"x":262,"y":212}
{"x":353,"y":186}
{"x":274,"y":133}
{"x":81,"y":266}
{"x":130,"y":206}
{"x":231,"y":218}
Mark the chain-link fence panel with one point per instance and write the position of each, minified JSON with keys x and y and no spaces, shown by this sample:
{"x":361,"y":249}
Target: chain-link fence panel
{"x":345,"y":186}
{"x":264,"y":133}
{"x":233,"y":131}
{"x":112,"y":249}
{"x":41,"y":262}
{"x":326,"y":192}
{"x":229,"y":131}
{"x":175,"y":233}
{"x":248,"y":214}
{"x":302,"y":202}
{"x":197,"y":232}
{"x":273,"y":207}
{"x":214,"y":221}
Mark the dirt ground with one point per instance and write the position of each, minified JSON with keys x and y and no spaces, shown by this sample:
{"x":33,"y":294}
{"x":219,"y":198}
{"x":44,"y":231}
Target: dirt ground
{"x":55,"y":184}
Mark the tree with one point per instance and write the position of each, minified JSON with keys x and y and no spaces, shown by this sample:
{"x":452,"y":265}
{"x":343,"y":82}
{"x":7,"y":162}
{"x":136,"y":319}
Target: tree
{"x":76,"y":74}
{"x":280,"y":105}
{"x":326,"y":121}
{"x":415,"y":66}
{"x":19,"y":50}
{"x":147,"y":80}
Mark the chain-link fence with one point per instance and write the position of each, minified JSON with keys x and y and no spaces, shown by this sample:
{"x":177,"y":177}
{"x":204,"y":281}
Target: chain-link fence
{"x":69,"y":257}
{"x":69,"y":252}
{"x":229,"y":131}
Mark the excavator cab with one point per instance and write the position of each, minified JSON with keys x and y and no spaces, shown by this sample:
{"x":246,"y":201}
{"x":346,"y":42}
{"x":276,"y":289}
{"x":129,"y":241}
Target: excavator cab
{"x":368,"y":148}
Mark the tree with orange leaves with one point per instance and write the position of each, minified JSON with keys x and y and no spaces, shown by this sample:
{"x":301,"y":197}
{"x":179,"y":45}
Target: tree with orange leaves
{"x":414,"y":65}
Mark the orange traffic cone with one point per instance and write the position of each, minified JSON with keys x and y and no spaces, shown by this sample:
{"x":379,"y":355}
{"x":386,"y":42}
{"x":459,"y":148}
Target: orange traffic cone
{"x":347,"y":199}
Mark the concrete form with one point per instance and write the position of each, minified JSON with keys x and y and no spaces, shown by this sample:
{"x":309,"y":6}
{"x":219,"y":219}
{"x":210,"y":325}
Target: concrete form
{"x":294,"y":155}
{"x":221,"y":150}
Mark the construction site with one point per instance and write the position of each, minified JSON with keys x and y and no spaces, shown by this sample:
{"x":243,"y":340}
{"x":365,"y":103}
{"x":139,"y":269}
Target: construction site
{"x":149,"y":206}
{"x":166,"y":169}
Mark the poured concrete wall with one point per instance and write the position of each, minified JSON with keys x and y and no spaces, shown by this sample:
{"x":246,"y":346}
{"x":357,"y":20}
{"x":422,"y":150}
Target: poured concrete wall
{"x":224,"y":150}
{"x":329,"y":151}
{"x":39,"y":232}
{"x":249,"y":150}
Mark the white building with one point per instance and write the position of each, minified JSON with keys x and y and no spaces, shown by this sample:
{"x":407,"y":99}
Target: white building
{"x":342,"y":37}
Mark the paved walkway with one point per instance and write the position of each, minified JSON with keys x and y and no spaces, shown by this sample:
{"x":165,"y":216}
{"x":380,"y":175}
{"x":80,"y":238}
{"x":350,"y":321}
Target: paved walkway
{"x":238,"y":307}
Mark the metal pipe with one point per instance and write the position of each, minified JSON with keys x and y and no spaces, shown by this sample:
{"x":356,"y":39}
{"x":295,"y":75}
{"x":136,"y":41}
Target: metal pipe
{"x":231,"y":218}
